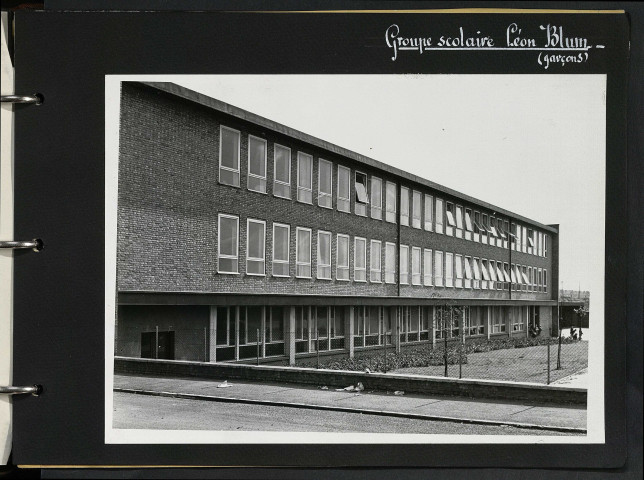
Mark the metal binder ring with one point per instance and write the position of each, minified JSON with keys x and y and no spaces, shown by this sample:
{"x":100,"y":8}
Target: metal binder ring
{"x":36,"y":244}
{"x":34,"y":99}
{"x":9,"y":390}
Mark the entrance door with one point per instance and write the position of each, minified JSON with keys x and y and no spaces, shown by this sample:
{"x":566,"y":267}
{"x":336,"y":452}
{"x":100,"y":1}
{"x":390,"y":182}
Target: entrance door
{"x":165,"y":348}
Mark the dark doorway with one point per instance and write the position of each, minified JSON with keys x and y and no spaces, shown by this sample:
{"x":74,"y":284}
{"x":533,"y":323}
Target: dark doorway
{"x":165,"y":347}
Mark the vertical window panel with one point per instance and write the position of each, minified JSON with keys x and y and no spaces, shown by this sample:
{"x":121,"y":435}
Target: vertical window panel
{"x":458,"y":271}
{"x":438,"y":219}
{"x":376,"y":198}
{"x":428,"y":269}
{"x":459,"y":221}
{"x":256,"y":164}
{"x":416,"y":216}
{"x":324,"y":256}
{"x":304,"y":178}
{"x":429,"y":213}
{"x":449,"y":269}
{"x":404,"y":206}
{"x":416,"y":276}
{"x":282,"y":171}
{"x":325,"y":183}
{"x":391,"y":202}
{"x":375,"y":256}
{"x":344,"y":189}
{"x":229,"y":140}
{"x":390,"y":263}
{"x":404,"y":265}
{"x":281,"y":249}
{"x":303,"y":252}
{"x":438,"y":268}
{"x":255,"y":247}
{"x":342,"y":267}
{"x":362,"y":195}
{"x":228,"y":244}
{"x":360,"y":260}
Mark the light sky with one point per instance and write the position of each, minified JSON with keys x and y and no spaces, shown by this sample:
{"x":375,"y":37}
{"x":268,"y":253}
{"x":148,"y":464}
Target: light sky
{"x":532,"y":144}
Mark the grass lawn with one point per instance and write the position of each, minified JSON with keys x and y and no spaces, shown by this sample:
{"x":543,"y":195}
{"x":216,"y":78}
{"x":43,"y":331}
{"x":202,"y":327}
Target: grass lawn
{"x":515,"y":364}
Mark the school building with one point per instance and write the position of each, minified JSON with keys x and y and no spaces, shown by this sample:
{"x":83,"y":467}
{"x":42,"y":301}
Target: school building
{"x":239,"y":238}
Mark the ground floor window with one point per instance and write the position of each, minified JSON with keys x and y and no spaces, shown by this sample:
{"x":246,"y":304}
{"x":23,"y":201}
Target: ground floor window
{"x":448,"y":321}
{"x":497,"y":319}
{"x":475,"y":320}
{"x":518,"y":318}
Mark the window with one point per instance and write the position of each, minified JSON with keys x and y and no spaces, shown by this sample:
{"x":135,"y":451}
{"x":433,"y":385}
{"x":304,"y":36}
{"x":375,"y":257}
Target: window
{"x":500,"y":275}
{"x":342,"y":270}
{"x":362,"y":198}
{"x":529,"y":282}
{"x":468,"y":272}
{"x":416,"y":278}
{"x":229,"y":156}
{"x":324,"y":255}
{"x":325,"y":183}
{"x":506,"y":231}
{"x":506,"y":274}
{"x":530,"y":240}
{"x":459,"y":221}
{"x":492,"y":273}
{"x":545,"y":281}
{"x":304,"y":178}
{"x":524,"y":240}
{"x":416,"y":209}
{"x":477,"y":273}
{"x":375,"y":255}
{"x":545,"y":245}
{"x":458,"y":267}
{"x":438,"y":269}
{"x":228,"y":244}
{"x":477,"y":227}
{"x":485,"y":275}
{"x":391,"y":202}
{"x":376,"y":198}
{"x":524,"y":276}
{"x":360,"y":260}
{"x":344,"y":190}
{"x":429,"y":212}
{"x":256,"y":164}
{"x":483,"y":225}
{"x":404,"y":206}
{"x":282,"y":167}
{"x":404,"y":265}
{"x":281,"y":244}
{"x":498,"y":320}
{"x":468,"y":224}
{"x":390,"y":262}
{"x":475,"y":320}
{"x":449,"y":269}
{"x":539,"y":251}
{"x":427,"y":267}
{"x":439,"y":216}
{"x":494,"y":235}
{"x":449,"y":215}
{"x":303,"y":252}
{"x":255,"y":247}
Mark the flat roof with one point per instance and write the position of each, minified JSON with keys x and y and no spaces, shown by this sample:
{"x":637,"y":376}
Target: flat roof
{"x":222,"y":107}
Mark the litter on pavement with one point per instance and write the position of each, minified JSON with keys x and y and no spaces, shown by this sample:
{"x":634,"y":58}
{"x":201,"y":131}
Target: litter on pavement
{"x":399,"y":392}
{"x":224,"y":384}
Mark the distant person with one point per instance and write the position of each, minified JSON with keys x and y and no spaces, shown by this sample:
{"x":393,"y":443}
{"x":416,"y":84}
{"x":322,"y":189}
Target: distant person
{"x":573,"y":333}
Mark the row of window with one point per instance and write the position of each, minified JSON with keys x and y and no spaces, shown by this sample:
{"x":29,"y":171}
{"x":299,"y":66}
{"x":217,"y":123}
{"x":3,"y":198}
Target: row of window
{"x":421,"y":211}
{"x":428,"y":267}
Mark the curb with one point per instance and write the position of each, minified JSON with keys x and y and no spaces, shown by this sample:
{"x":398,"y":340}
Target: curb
{"x":384,"y":413}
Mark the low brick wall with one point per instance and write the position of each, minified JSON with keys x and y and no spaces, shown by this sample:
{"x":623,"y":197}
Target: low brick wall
{"x":340,"y":378}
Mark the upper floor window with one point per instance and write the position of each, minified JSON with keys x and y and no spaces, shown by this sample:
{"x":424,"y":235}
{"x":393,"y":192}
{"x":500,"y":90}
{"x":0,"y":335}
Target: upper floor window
{"x":344,"y":189}
{"x":438,"y":220}
{"x":376,"y":198}
{"x":468,"y":224}
{"x":524,"y":240}
{"x":256,"y":164}
{"x":228,"y":244}
{"x":303,"y":252}
{"x":390,"y":262}
{"x":391,"y":202}
{"x":459,"y":221}
{"x":484,"y":228}
{"x":342,"y":268}
{"x":506,"y":232}
{"x":476,"y":267}
{"x":530,"y":240}
{"x":416,"y":277}
{"x":468,"y":272}
{"x":404,"y":206}
{"x":360,"y":260}
{"x":325,"y":183}
{"x":229,"y":156}
{"x":449,"y":269}
{"x":449,"y":215}
{"x":282,"y":167}
{"x":324,"y":255}
{"x":416,"y":217}
{"x":545,"y":280}
{"x":404,"y":265}
{"x":304,"y":178}
{"x":375,"y":263}
{"x":281,"y":249}
{"x":429,"y":213}
{"x":545,"y":244}
{"x":428,"y":270}
{"x":438,"y":268}
{"x":458,"y":271}
{"x":362,"y":197}
{"x":255,"y":247}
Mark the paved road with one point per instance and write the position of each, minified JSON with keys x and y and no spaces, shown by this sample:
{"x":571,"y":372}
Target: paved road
{"x":153,"y":412}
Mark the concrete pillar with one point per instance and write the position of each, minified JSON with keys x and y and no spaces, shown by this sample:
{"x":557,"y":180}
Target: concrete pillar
{"x":289,"y":336}
{"x":348,"y":330}
{"x":489,"y":322}
{"x":396,"y":328}
{"x":527,"y":320}
{"x":265,"y":318}
{"x":236,"y":332}
{"x":433,"y":332}
{"x":213,"y":334}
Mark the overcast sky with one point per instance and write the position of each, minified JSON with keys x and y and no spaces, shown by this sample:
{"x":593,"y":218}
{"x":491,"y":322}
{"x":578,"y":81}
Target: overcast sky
{"x":533,"y":144}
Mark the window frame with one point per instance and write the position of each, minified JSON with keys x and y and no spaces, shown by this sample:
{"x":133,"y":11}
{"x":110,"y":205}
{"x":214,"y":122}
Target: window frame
{"x":319,"y":264}
{"x":416,"y":276}
{"x":325,"y":195}
{"x":375,"y":210}
{"x":404,"y":271}
{"x":428,"y":272}
{"x":416,"y":201}
{"x":375,"y":275}
{"x":458,"y":272}
{"x":297,"y":244}
{"x":355,"y":259}
{"x":458,"y":217}
{"x":226,"y":256}
{"x":288,"y":251}
{"x":439,"y":206}
{"x":342,"y":201}
{"x":438,"y":268}
{"x":338,"y":267}
{"x":389,"y":273}
{"x":223,"y":167}
{"x":282,"y":183}
{"x":253,"y":175}
{"x":428,"y":217}
{"x":299,"y":187}
{"x":404,"y":212}
{"x":255,"y":259}
{"x":391,"y":215}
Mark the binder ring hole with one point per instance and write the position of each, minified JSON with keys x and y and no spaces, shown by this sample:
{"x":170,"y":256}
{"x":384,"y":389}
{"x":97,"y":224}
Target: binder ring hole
{"x":39,"y":245}
{"x":40,"y":98}
{"x":38,"y":390}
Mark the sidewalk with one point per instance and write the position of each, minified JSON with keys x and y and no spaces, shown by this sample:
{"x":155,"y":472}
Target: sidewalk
{"x":565,"y":418}
{"x":579,"y":379}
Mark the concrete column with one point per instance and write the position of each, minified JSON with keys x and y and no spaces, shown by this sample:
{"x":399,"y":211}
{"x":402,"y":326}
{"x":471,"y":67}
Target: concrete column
{"x":213,"y":334}
{"x":433,"y":332}
{"x":262,"y":333}
{"x":349,"y":319}
{"x":396,"y":329}
{"x":236,"y":333}
{"x":527,"y":320}
{"x":489,"y":322}
{"x":289,"y":336}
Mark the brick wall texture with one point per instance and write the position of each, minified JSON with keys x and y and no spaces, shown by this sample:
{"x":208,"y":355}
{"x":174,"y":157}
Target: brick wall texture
{"x":169,"y":200}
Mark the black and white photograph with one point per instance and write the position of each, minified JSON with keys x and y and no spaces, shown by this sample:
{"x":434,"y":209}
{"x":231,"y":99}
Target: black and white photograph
{"x":355,"y":258}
